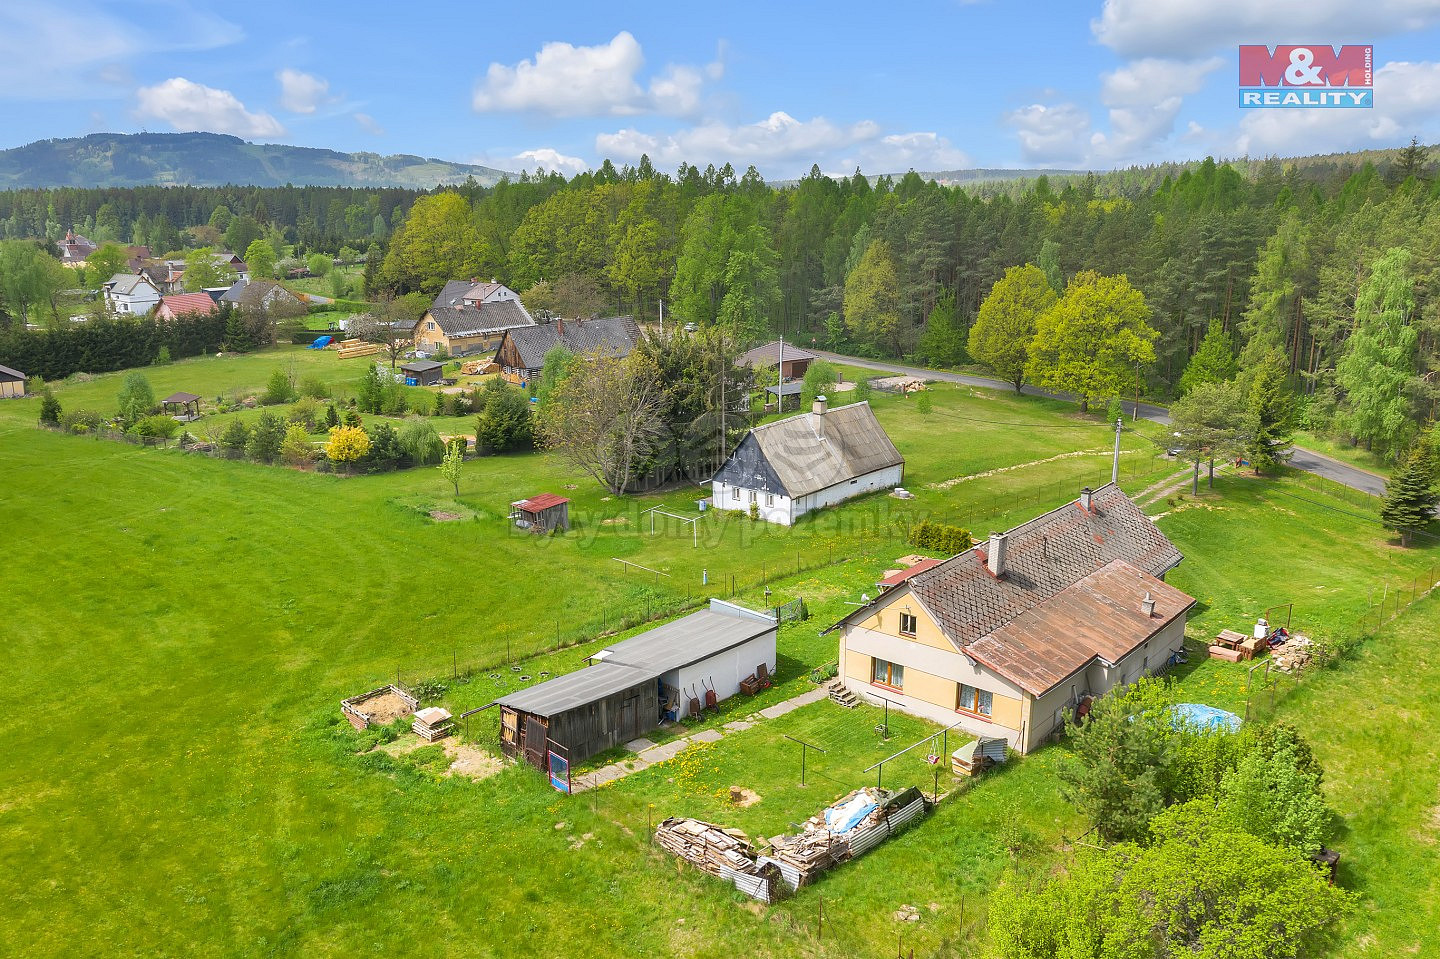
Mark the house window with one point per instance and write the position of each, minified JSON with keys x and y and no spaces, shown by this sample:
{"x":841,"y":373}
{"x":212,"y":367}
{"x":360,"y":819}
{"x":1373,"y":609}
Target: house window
{"x":883,"y":673}
{"x":430,"y":325}
{"x":769,"y":499}
{"x":752,"y":496}
{"x":735,"y":493}
{"x":907,"y":624}
{"x":972,"y":700}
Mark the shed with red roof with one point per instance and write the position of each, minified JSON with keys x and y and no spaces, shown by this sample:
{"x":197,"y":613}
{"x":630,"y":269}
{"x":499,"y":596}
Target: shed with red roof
{"x":542,"y":513}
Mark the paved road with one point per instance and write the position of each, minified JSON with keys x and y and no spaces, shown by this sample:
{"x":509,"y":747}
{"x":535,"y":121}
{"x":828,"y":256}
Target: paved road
{"x":1301,"y":458}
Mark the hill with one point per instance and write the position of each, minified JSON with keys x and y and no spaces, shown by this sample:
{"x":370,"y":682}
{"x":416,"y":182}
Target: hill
{"x":213,"y":159}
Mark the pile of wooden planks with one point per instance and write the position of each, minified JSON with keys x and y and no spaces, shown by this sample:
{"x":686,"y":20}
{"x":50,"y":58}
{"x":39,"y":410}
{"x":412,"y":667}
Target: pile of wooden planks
{"x":804,"y":856}
{"x":349,"y":348}
{"x":432,"y":724}
{"x":723,"y":853}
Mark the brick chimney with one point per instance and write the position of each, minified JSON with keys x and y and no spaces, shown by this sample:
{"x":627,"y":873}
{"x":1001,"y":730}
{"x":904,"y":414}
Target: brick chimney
{"x":998,"y":550}
{"x":1087,"y":500}
{"x":560,"y":327}
{"x":1147,"y":606}
{"x":821,"y":405}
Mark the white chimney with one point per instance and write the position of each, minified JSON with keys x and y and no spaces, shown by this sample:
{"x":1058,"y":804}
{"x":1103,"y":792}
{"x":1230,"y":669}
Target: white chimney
{"x":1147,"y":606}
{"x":997,"y":554}
{"x":1087,"y":498}
{"x":821,"y":405}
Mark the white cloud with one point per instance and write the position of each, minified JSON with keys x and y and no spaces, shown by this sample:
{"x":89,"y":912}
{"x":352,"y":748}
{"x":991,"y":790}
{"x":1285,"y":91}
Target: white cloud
{"x":548,"y":159}
{"x":187,"y":105}
{"x":82,"y":50}
{"x":302,"y":92}
{"x":564,"y":80}
{"x":779,"y":137}
{"x":368,"y":124}
{"x":1186,"y":29}
{"x":1145,"y":98}
{"x":1051,"y":133}
{"x":899,"y":152}
{"x":1407,"y":101}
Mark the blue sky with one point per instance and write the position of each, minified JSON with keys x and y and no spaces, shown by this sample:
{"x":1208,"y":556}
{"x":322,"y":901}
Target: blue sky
{"x":929,"y":84}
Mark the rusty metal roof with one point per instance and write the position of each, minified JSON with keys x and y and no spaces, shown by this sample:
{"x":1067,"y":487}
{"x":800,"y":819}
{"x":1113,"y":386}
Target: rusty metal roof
{"x":1098,"y":617}
{"x":541,"y":501}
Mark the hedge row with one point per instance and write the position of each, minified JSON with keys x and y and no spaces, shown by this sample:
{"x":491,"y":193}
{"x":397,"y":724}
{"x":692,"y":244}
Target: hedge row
{"x":940,"y":537}
{"x":105,"y":345}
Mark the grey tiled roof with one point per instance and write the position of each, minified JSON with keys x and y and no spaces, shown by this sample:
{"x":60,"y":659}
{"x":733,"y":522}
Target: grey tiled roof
{"x":809,"y":451}
{"x":611,"y":336}
{"x":451,"y":293}
{"x":486,"y":318}
{"x":1044,"y":556}
{"x":769,"y":354}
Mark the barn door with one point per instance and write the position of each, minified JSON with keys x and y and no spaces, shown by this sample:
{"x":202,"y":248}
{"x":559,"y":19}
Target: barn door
{"x":537,"y":732}
{"x":509,"y":732}
{"x":630,"y":716}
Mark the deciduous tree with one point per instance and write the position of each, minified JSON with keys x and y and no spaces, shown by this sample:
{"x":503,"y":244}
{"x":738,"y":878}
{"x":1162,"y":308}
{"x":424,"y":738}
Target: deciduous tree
{"x":453,"y":465}
{"x":1211,"y":421}
{"x":606,"y":418}
{"x":1005,"y":325}
{"x":1090,"y":342}
{"x":872,"y":300}
{"x":260,"y":258}
{"x":1377,"y":371}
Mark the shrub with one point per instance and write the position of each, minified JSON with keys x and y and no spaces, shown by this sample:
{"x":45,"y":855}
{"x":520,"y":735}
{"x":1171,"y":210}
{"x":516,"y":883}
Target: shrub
{"x":306,"y":413}
{"x":754,"y":512}
{"x":421,"y":443}
{"x":504,"y":421}
{"x":159,"y":425}
{"x":315,"y":388}
{"x":162,"y":358}
{"x":49,"y":407}
{"x":278,"y":390}
{"x":136,"y":398}
{"x":940,"y":537}
{"x":923,"y":403}
{"x":347,"y":444}
{"x":332,"y":418}
{"x":862,"y":390}
{"x":80,"y":421}
{"x":235,"y":436}
{"x":385,"y":450}
{"x":266,"y":438}
{"x":295,"y":447}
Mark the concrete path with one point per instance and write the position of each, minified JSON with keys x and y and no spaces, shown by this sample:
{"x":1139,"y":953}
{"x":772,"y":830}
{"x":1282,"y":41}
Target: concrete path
{"x":1301,"y":458}
{"x":651,"y":754}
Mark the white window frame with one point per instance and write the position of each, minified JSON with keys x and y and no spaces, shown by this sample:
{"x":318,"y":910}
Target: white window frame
{"x":913,"y":623}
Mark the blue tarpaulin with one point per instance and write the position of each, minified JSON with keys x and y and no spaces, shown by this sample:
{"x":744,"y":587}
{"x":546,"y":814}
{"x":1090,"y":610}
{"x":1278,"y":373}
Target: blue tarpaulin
{"x":1203,"y":718}
{"x":321,"y":343}
{"x":842,"y":818}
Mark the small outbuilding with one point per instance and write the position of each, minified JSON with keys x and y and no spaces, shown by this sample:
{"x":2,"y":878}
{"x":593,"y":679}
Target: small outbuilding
{"x":182,"y":406}
{"x":422,"y":372}
{"x":542,"y":514}
{"x":631,"y":687}
{"x":792,"y":360}
{"x":12,"y":383}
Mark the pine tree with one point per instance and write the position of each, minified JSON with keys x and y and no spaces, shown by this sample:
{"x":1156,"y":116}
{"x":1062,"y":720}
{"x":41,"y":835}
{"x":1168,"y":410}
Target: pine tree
{"x":1271,"y":425}
{"x":943,"y":341}
{"x":1410,"y":496}
{"x":1214,"y":362}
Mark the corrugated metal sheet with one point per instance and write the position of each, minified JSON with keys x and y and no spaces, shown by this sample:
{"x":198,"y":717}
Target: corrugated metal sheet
{"x":811,"y":452}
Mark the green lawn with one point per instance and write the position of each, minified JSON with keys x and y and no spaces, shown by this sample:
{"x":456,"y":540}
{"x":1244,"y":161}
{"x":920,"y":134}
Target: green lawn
{"x":179,"y":630}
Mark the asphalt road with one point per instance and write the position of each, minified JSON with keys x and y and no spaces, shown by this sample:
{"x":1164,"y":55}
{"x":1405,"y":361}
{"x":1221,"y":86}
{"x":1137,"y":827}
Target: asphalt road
{"x":1301,"y":458}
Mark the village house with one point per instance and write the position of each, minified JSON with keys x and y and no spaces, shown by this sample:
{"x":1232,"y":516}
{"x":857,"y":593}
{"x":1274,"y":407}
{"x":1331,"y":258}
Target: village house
{"x":75,"y":249}
{"x":181,"y":304}
{"x":521,"y":354}
{"x":12,"y":383}
{"x":130,"y":294}
{"x":262,"y":296}
{"x":467,"y":317}
{"x":806,"y":462}
{"x":633,"y":686}
{"x":1006,"y":638}
{"x":792,"y":367}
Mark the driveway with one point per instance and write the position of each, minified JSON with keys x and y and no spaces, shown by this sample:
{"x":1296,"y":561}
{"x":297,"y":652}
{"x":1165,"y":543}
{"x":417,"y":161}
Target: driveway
{"x":1301,"y":458}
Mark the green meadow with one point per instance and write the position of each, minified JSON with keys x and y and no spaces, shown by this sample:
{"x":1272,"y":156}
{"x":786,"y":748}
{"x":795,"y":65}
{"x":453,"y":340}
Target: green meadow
{"x":179,"y":630}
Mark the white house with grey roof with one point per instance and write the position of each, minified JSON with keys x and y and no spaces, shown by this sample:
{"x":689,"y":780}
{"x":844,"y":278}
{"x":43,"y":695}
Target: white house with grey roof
{"x":130,"y":294}
{"x":809,"y":461}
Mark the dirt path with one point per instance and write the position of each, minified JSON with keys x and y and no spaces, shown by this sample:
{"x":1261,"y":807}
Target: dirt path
{"x":957,"y":480}
{"x":1165,"y":487}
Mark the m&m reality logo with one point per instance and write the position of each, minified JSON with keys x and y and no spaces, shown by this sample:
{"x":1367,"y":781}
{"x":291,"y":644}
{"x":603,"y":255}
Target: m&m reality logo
{"x":1312,"y":75}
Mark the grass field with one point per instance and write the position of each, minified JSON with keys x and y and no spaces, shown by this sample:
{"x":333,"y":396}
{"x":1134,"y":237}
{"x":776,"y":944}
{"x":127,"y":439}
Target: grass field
{"x":179,"y":630}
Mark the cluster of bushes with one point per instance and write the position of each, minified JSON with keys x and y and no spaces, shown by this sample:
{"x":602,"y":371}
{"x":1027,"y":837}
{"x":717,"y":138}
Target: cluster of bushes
{"x":138,"y":413}
{"x":940,"y":538}
{"x":1209,"y":836}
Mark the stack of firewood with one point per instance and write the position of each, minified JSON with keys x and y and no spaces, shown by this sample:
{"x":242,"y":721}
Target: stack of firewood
{"x":710,"y":847}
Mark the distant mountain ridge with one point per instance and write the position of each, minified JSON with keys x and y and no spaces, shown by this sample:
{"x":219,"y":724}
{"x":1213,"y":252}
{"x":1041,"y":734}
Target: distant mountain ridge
{"x":215,"y":159}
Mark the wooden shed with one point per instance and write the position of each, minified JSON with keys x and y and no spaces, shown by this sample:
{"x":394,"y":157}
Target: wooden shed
{"x":12,"y":383}
{"x":422,"y":372}
{"x":542,"y":513}
{"x":632,"y":685}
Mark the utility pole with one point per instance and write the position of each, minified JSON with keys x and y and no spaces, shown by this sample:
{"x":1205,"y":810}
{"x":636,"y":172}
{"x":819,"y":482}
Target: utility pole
{"x":1115,"y":465}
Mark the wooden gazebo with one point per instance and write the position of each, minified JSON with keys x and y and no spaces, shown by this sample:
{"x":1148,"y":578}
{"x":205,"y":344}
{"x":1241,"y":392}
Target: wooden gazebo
{"x":183,"y":406}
